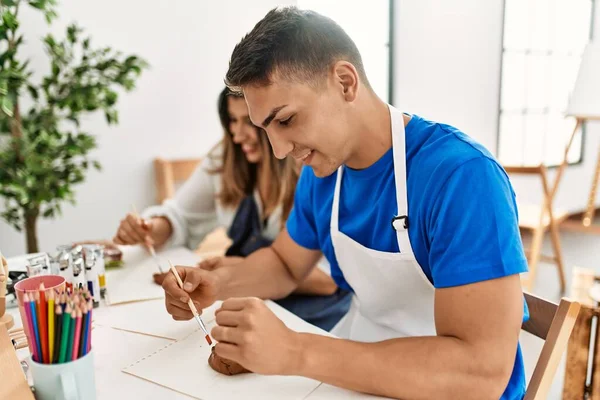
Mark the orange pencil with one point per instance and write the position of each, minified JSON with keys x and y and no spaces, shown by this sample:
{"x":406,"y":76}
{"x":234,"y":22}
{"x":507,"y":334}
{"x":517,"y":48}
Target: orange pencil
{"x":43,"y":318}
{"x":50,"y":326}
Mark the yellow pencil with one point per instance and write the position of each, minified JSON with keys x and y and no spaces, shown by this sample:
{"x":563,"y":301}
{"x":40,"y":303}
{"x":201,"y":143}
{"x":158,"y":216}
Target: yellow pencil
{"x":51,"y":323}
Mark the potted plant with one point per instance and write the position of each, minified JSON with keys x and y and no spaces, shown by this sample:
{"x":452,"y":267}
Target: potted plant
{"x":44,"y":153}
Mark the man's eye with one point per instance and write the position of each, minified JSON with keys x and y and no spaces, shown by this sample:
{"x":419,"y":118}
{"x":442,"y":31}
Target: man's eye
{"x":286,"y":122}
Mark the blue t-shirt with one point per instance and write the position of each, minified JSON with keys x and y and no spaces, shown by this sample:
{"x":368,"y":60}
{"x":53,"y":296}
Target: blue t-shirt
{"x":461,"y":209}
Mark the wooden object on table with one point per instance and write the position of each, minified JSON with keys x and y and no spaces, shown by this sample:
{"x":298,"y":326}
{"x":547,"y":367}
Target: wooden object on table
{"x":167,"y":173}
{"x":538,"y":219}
{"x":553,"y":324}
{"x":215,"y":244}
{"x":584,"y":337}
{"x":6,"y":320}
{"x":582,"y":375}
{"x":13,"y":384}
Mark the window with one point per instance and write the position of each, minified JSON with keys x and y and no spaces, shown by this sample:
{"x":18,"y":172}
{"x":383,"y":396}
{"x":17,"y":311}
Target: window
{"x":542,"y":47}
{"x":368,"y":24}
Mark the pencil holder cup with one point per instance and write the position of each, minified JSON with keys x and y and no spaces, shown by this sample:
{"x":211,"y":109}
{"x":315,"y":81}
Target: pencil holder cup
{"x":31,"y":286}
{"x":68,"y":381}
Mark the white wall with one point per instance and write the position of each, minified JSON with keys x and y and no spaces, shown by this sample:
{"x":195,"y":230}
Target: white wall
{"x":172,"y":113}
{"x":448,"y":58}
{"x":448,"y":63}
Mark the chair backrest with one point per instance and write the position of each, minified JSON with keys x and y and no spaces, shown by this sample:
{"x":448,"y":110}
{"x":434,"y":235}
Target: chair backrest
{"x":527,"y":215}
{"x":539,"y":170}
{"x":552,"y":323}
{"x":169,"y":172}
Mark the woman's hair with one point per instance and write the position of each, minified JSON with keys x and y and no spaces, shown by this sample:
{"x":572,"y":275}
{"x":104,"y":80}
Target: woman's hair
{"x":239,"y":177}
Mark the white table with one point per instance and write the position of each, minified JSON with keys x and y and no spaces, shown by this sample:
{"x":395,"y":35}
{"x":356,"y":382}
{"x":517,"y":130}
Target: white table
{"x":114,"y":349}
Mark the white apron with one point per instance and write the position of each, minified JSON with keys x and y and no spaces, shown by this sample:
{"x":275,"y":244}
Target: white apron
{"x":393,"y":297}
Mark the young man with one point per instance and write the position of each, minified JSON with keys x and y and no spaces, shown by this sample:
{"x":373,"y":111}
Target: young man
{"x":417,"y":219}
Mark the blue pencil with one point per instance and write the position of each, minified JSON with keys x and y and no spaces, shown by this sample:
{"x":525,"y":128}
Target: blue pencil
{"x":84,"y":339}
{"x":35,"y":328}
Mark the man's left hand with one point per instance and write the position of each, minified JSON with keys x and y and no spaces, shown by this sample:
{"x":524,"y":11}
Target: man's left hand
{"x":250,"y":334}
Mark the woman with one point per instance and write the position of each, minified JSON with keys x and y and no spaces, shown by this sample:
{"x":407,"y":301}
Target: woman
{"x":242,"y":186}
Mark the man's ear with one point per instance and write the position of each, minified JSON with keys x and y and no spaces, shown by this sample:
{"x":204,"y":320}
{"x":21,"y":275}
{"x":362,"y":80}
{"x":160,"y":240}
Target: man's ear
{"x":346,"y":78}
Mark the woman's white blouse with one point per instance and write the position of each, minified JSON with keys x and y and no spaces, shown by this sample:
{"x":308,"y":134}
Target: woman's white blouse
{"x":195,"y":211}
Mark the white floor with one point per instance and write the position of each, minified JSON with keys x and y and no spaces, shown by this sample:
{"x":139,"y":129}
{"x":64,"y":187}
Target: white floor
{"x":579,"y":249}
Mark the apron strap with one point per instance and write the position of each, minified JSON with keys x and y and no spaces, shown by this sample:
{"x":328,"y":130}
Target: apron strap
{"x":400,"y":223}
{"x":335,"y":207}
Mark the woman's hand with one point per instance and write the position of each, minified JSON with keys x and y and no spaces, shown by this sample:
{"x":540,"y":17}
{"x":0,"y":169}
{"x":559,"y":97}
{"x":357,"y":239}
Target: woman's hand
{"x":134,"y":230}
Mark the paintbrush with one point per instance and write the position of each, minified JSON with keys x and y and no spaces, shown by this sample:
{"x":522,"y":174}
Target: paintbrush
{"x":150,"y":247}
{"x":191,"y":305}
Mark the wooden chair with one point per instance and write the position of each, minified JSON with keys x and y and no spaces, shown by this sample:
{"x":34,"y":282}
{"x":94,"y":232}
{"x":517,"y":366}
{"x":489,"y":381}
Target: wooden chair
{"x":538,"y":219}
{"x":168,"y":173}
{"x":553,"y":324}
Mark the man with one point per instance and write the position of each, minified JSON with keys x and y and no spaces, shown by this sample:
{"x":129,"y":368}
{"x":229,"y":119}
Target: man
{"x":414,"y":217}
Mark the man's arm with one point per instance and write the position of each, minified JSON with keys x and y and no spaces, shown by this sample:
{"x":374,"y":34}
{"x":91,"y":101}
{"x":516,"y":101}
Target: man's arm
{"x":269,"y":273}
{"x":471,"y":357}
{"x":317,"y":283}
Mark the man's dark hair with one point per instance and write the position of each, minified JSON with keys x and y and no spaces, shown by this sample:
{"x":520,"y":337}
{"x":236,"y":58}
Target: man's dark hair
{"x":299,"y":45}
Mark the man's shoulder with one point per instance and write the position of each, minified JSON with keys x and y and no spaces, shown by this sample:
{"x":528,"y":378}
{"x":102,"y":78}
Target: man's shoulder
{"x":444,"y":150}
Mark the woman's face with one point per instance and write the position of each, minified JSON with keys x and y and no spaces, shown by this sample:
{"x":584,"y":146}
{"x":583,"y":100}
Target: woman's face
{"x":244,"y":133}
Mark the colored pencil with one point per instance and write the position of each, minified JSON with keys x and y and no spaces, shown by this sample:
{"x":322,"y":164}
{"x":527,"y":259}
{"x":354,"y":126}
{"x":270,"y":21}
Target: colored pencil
{"x":65,"y":334}
{"x":30,"y":330}
{"x":50,"y":326}
{"x":58,"y":325}
{"x":77,"y":336}
{"x":71,"y":336}
{"x":34,"y":323}
{"x":89,"y":327}
{"x":84,"y":331}
{"x":40,"y":300}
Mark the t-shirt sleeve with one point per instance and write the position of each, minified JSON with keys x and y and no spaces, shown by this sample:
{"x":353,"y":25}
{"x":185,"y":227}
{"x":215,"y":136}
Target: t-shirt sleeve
{"x":301,"y":224}
{"x":473,"y":227}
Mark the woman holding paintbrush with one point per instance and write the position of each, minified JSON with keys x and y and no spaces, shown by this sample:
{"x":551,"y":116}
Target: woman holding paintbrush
{"x":242,"y":186}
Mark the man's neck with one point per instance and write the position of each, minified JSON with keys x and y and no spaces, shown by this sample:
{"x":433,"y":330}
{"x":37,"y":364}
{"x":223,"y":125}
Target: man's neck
{"x":373,"y":132}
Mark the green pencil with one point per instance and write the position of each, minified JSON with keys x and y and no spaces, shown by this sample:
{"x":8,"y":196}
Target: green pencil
{"x":71,"y":337}
{"x":65,"y":334}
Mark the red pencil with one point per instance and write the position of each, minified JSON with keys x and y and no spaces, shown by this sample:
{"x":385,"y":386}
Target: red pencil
{"x":77,"y":336}
{"x":43,"y":318}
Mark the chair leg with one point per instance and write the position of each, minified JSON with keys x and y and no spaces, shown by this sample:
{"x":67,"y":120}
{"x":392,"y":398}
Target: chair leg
{"x":554,"y":235}
{"x":534,"y":257}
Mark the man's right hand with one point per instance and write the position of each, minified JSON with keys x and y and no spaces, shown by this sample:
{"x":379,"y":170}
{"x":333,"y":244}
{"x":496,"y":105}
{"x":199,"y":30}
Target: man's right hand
{"x":198,"y":284}
{"x":134,"y":230}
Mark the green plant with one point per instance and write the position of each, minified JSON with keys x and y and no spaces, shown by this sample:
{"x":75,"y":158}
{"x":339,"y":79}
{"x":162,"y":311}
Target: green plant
{"x":44,"y":153}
